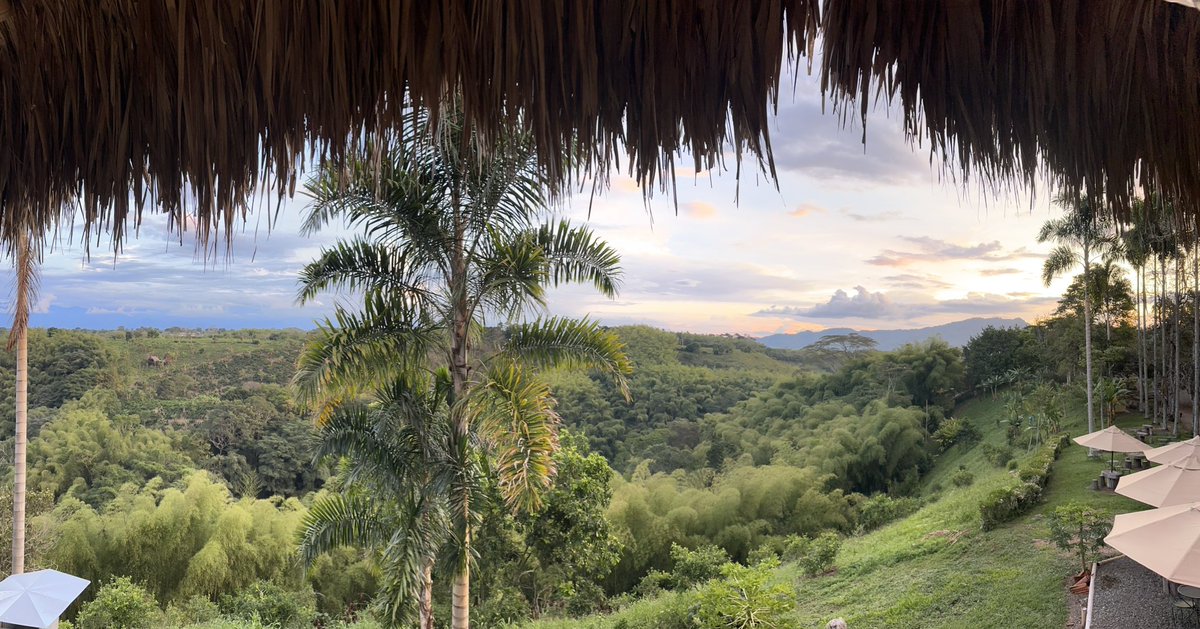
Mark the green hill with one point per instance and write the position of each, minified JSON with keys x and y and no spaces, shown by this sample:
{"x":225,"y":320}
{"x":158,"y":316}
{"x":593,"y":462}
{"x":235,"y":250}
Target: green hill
{"x":937,"y":568}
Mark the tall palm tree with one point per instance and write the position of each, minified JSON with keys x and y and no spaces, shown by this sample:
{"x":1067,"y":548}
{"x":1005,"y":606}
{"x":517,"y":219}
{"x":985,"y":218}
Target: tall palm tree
{"x":25,"y":267}
{"x":1084,"y":227}
{"x":454,"y":237}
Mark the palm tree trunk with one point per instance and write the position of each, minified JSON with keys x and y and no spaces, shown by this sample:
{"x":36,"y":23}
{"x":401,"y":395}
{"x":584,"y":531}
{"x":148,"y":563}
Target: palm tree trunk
{"x":26,"y":276}
{"x":22,"y":419}
{"x":461,"y":596}
{"x":1195,"y":327}
{"x":1141,"y":340}
{"x":1087,"y":336}
{"x":425,"y":604}
{"x":1176,"y":380}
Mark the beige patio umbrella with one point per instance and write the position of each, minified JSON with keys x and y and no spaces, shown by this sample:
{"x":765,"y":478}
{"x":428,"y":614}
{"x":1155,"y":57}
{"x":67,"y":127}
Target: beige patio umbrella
{"x":1165,"y":540}
{"x":1112,"y":440}
{"x":1174,"y":451}
{"x":1167,"y":485}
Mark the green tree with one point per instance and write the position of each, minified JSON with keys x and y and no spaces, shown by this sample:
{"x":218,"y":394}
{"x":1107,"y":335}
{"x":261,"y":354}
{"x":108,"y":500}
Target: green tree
{"x":454,"y":237}
{"x":1079,"y":529}
{"x":1110,"y":292}
{"x":1085,"y":227}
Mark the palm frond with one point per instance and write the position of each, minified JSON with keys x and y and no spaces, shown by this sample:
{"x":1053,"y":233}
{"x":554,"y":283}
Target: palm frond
{"x":25,"y":266}
{"x":360,"y":265}
{"x":576,"y":254}
{"x":515,"y":414}
{"x":336,"y":520}
{"x":1059,"y":261}
{"x":357,"y":351}
{"x":572,"y":343}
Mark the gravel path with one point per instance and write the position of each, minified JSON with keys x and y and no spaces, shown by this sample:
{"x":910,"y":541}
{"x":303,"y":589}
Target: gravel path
{"x":1129,"y":596}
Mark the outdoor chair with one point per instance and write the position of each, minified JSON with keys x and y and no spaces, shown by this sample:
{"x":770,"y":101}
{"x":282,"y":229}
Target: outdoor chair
{"x":1183,"y":611}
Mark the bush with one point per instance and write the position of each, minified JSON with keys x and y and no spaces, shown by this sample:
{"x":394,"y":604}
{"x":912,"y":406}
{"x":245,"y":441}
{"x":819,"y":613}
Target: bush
{"x":654,"y":582}
{"x":742,"y":599}
{"x":1079,"y":529}
{"x":271,"y":604}
{"x":955,"y":430}
{"x":195,"y":610}
{"x":815,"y":555}
{"x":1006,"y":503}
{"x":120,"y":604}
{"x":997,"y":455}
{"x":691,"y":567}
{"x":762,"y":554}
{"x":880,"y":509}
{"x":962,"y":477}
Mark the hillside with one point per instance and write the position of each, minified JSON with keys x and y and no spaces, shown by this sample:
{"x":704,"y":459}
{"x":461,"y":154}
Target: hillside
{"x":936,"y":568}
{"x":956,"y":334}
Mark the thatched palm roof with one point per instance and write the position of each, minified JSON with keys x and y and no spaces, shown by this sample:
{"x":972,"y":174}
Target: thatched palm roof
{"x":1100,"y":94}
{"x":194,"y":102}
{"x":187,"y":105}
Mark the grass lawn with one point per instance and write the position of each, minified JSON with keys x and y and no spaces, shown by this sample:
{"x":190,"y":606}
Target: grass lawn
{"x":937,"y":568}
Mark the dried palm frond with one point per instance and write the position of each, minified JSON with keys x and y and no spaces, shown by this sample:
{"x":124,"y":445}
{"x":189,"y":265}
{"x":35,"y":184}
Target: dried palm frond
{"x":1094,"y":95}
{"x":189,"y":106}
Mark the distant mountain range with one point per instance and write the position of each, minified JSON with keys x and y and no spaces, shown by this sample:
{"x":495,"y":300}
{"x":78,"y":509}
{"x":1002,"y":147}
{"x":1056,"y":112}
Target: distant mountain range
{"x":956,"y":334}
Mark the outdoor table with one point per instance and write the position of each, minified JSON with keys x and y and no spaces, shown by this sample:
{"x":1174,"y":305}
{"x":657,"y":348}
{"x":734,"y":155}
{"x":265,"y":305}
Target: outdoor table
{"x":1192,"y":594}
{"x":1138,"y":460}
{"x":1110,"y":478}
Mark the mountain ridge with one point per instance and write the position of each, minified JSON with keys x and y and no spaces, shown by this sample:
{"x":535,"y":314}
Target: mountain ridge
{"x":956,"y":333}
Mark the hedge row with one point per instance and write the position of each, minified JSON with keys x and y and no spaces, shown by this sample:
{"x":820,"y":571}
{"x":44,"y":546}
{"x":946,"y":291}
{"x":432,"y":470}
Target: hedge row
{"x":1006,"y":503}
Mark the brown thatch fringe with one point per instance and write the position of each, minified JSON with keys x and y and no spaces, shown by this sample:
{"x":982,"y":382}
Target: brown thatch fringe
{"x":1104,"y":95}
{"x":187,"y":105}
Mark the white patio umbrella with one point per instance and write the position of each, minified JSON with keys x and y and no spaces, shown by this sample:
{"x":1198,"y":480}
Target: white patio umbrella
{"x":37,"y":599}
{"x":1166,"y":485}
{"x":1111,"y":439}
{"x":1174,"y":451}
{"x":1165,"y":540}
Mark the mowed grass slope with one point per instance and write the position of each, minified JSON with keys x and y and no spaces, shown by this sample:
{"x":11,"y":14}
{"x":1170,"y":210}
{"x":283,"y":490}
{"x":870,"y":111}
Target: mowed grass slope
{"x":937,"y":568}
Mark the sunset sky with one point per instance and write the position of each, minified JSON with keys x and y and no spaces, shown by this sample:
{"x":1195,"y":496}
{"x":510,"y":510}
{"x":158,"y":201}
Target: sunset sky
{"x":859,"y":238}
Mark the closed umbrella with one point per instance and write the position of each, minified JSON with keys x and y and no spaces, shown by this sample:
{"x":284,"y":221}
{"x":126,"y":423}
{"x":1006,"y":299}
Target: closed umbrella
{"x":1166,"y":485}
{"x":1165,"y":540}
{"x":37,"y":599}
{"x":1111,"y":439}
{"x":1174,"y":451}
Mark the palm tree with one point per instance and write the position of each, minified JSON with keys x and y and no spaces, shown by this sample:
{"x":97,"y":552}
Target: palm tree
{"x":391,"y":455}
{"x":454,"y":238}
{"x":1084,"y":227}
{"x":25,"y":266}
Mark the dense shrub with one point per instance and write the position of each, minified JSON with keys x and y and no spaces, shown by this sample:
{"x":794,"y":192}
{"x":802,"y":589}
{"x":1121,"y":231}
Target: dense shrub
{"x":872,"y":513}
{"x":815,"y":555}
{"x":955,"y":430}
{"x":743,"y":599}
{"x":962,"y":477}
{"x":271,"y":604}
{"x":120,"y":604}
{"x":997,"y":455}
{"x":692,"y":567}
{"x":1006,"y":503}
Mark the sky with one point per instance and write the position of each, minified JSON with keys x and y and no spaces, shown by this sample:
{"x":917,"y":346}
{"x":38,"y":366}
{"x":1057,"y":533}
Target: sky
{"x":868,"y":237}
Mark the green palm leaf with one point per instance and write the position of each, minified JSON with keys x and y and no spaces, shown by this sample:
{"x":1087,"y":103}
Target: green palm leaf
{"x":570,"y":343}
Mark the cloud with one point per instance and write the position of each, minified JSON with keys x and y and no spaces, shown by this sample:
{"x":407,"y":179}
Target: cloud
{"x":1004,"y":271}
{"x":914,"y":281}
{"x":928,"y":249}
{"x":877,"y":217}
{"x":815,"y":144}
{"x":806,"y":209}
{"x":700,"y":210}
{"x":864,"y":304}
